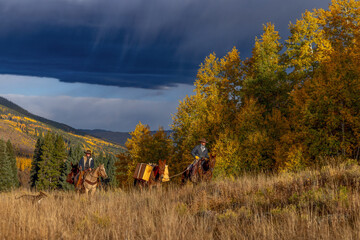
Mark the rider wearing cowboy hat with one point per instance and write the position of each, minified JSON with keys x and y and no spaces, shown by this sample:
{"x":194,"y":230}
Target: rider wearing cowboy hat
{"x":86,"y":164}
{"x":200,"y":151}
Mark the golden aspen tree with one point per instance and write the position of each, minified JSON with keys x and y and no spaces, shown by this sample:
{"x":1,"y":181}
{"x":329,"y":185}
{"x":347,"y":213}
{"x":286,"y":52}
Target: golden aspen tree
{"x":265,"y":76}
{"x":137,"y":147}
{"x":143,"y":147}
{"x":324,"y":114}
{"x":211,"y":110}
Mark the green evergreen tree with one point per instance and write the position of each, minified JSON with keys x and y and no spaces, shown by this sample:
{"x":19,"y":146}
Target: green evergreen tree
{"x":6,"y":173}
{"x":65,"y":170}
{"x":12,"y":159}
{"x":47,"y":169}
{"x":111,"y":170}
{"x":59,"y":158}
{"x":99,"y":160}
{"x":76,"y":154}
{"x":34,"y":172}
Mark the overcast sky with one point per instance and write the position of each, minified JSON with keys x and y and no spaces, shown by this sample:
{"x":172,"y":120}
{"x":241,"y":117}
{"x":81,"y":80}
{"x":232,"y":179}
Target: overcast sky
{"x":111,"y":63}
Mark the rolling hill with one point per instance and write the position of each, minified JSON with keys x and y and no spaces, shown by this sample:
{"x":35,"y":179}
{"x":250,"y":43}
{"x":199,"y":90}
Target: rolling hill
{"x":115,"y":137}
{"x":10,"y":105}
{"x":23,"y":129}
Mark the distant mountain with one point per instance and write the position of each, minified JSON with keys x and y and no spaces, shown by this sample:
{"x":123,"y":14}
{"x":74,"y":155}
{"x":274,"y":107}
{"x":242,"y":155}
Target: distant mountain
{"x":23,"y":128}
{"x":115,"y":137}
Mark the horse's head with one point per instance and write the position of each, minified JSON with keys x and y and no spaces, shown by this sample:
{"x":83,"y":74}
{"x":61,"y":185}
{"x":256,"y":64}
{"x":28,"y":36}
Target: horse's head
{"x":162,"y":165}
{"x":74,"y":168}
{"x":102,"y":172}
{"x":205,"y":164}
{"x":72,"y":174}
{"x":208,"y":164}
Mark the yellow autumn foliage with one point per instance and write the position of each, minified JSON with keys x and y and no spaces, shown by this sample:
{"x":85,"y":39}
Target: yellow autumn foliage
{"x":23,"y":163}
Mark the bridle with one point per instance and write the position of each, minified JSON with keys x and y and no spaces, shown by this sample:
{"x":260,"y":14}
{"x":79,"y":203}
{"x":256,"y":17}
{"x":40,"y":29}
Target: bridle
{"x":161,"y":175}
{"x":102,"y":173}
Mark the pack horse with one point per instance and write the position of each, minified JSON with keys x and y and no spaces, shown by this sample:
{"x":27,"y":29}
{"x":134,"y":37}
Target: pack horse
{"x":151,"y":174}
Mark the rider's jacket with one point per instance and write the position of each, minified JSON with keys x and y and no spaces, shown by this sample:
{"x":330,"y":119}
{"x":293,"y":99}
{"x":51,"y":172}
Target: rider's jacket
{"x":86,"y":163}
{"x":200,"y":151}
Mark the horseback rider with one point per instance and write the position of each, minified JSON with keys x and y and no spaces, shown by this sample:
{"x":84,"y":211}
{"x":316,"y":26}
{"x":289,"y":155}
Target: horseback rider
{"x":86,"y":164}
{"x":200,"y":151}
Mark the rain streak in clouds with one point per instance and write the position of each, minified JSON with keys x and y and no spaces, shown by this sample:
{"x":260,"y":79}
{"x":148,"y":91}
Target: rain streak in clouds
{"x":138,"y":43}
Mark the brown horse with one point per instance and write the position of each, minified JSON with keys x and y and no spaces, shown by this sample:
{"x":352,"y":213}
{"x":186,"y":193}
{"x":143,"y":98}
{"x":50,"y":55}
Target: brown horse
{"x":74,"y":171}
{"x":201,"y":171}
{"x":156,"y":176}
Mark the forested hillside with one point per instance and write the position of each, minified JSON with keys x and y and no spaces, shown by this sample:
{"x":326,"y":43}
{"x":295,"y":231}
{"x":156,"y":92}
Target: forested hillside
{"x":6,"y":103}
{"x":23,"y":129}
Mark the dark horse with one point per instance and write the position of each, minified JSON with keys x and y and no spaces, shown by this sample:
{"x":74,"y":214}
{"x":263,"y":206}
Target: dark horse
{"x":74,"y":171}
{"x":201,"y":171}
{"x":156,"y":176}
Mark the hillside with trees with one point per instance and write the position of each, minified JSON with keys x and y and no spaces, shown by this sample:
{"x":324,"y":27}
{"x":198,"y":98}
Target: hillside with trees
{"x":53,"y":160}
{"x":23,"y":131}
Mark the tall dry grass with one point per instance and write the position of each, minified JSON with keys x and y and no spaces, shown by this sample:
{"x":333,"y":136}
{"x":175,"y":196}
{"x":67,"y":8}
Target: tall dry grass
{"x":320,"y":204}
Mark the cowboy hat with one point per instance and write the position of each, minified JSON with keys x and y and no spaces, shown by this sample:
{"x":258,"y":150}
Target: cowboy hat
{"x":87,"y":152}
{"x":203,"y":140}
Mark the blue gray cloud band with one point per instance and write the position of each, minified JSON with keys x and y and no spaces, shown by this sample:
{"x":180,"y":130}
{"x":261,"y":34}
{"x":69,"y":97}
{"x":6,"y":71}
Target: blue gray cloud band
{"x":137,"y":43}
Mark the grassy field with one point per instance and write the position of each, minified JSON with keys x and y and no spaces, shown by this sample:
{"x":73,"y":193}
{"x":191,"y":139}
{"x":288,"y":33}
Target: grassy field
{"x":323,"y":204}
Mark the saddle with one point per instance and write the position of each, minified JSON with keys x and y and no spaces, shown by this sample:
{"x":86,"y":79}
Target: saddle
{"x":200,"y":163}
{"x":79,"y":183}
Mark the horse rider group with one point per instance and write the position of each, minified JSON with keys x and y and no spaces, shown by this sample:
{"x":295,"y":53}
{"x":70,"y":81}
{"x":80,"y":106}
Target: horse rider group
{"x":87,"y":163}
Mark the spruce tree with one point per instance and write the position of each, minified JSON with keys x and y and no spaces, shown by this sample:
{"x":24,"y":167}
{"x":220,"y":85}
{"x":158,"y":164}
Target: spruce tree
{"x":47,"y":175}
{"x":59,"y":159}
{"x":34,"y":172}
{"x":6,"y":173}
{"x":12,"y":159}
{"x":100,"y":160}
{"x":110,"y":170}
{"x":76,"y":154}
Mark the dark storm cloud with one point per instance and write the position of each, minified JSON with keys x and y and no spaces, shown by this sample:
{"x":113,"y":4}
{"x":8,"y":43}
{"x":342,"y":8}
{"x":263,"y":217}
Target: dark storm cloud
{"x":138,"y":43}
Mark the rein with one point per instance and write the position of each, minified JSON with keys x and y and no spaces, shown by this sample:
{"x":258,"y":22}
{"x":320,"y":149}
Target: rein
{"x":178,"y":174}
{"x":211,"y":169}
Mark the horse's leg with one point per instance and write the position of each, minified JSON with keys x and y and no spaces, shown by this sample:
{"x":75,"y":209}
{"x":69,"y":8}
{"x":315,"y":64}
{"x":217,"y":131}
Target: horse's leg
{"x":150,"y":185}
{"x":194,"y":174}
{"x":86,"y":190}
{"x":185,"y":177}
{"x":93,"y":191}
{"x":201,"y":174}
